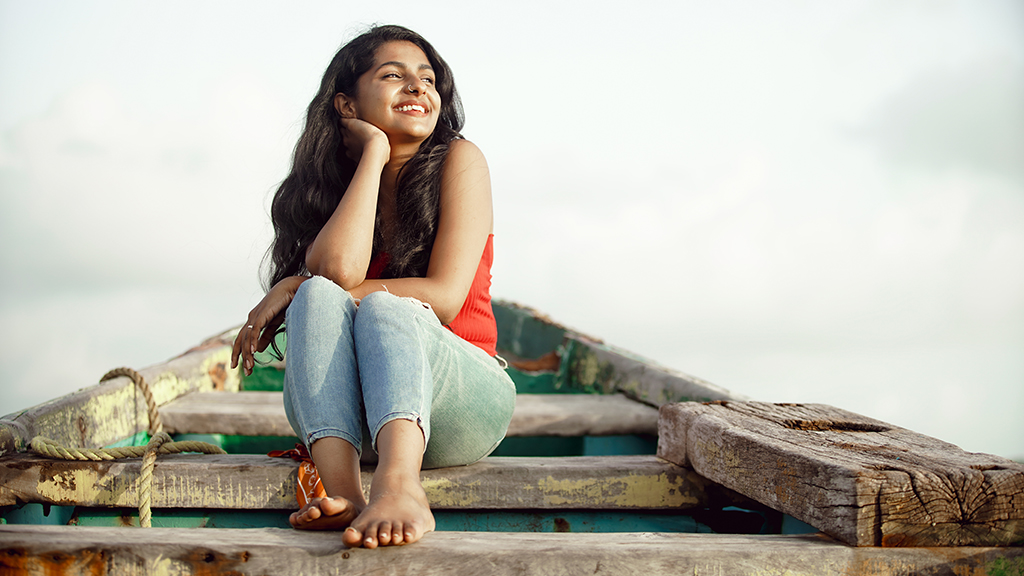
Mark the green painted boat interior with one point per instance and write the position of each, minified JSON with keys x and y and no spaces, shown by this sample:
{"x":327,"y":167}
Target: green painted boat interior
{"x":521,"y":335}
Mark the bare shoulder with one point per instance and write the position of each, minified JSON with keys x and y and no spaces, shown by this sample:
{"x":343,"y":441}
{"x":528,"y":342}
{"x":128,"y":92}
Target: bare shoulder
{"x":464,"y":154}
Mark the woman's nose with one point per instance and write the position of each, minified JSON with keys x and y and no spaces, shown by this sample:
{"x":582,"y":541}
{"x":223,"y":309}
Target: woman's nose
{"x":417,"y":87}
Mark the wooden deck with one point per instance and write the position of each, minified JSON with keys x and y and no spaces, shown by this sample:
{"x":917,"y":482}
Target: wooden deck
{"x":85,"y":550}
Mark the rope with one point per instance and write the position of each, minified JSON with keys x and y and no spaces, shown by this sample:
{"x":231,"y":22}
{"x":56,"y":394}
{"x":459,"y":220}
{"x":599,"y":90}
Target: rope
{"x":159,"y":443}
{"x":47,"y":447}
{"x":146,"y":478}
{"x":155,"y":425}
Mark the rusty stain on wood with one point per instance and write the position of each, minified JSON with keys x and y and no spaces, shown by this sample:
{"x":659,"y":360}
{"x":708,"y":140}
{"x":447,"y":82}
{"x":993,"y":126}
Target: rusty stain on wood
{"x":546,"y":363}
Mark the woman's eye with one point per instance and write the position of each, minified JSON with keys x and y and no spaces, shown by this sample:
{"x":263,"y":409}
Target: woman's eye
{"x":428,"y":81}
{"x":391,"y":75}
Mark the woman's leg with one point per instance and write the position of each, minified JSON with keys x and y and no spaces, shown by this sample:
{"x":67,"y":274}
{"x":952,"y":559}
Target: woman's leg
{"x":323,"y":399}
{"x":423,"y":387}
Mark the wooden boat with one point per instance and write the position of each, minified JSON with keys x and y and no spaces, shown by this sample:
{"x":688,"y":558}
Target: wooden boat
{"x":736,"y":487}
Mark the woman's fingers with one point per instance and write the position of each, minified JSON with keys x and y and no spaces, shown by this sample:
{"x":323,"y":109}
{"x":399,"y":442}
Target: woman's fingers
{"x":263,"y":322}
{"x":269,"y":332}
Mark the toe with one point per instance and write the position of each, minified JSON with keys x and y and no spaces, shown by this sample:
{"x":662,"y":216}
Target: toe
{"x":352,"y":538}
{"x":384,"y":533}
{"x":397,"y":534}
{"x":312,"y":513}
{"x":333,"y":507}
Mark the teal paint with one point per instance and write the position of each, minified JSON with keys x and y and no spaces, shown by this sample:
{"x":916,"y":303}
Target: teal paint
{"x":243,"y":444}
{"x":41,"y":514}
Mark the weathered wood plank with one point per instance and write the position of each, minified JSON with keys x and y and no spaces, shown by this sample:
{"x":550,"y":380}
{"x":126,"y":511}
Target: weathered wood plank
{"x":113,"y":410}
{"x":86,"y":550}
{"x":262,"y":414}
{"x":242,"y":413}
{"x":860,"y":480}
{"x":260,"y":482}
{"x":592,"y":365}
{"x":581,"y":415}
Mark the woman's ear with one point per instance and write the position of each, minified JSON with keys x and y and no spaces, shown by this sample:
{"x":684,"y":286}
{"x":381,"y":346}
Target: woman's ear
{"x":344,"y":105}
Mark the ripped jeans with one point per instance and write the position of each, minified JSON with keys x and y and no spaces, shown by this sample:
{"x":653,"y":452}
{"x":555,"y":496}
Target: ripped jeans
{"x":352,"y":369}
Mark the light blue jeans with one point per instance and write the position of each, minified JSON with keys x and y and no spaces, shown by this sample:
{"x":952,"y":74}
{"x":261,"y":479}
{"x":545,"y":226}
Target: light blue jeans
{"x":352,"y":369}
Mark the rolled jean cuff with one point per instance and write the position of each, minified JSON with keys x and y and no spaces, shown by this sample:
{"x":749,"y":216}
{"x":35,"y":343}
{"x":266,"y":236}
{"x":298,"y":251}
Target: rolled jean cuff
{"x":401,"y":415}
{"x":334,"y":433}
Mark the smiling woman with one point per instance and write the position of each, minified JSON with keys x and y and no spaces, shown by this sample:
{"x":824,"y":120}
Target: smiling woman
{"x":381,"y":278}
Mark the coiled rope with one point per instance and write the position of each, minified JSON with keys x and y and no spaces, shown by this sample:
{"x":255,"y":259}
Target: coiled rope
{"x":159,"y":443}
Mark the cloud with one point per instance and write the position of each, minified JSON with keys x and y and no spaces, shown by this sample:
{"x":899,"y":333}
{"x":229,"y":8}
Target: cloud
{"x":968,"y":118}
{"x":99,"y":186}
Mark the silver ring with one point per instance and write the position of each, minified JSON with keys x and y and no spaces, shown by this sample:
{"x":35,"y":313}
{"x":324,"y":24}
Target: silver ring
{"x":249,"y":326}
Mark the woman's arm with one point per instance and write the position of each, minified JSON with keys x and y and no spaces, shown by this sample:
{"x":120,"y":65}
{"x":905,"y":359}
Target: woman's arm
{"x":342,"y":249}
{"x":465,"y":222}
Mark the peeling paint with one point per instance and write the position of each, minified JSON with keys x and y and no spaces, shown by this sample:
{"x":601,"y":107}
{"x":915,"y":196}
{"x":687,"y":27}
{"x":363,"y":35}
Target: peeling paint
{"x":446,"y":493}
{"x":107,"y":412}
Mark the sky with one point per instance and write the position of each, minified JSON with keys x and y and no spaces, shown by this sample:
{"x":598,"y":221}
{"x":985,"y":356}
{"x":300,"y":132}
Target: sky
{"x":797,"y":201}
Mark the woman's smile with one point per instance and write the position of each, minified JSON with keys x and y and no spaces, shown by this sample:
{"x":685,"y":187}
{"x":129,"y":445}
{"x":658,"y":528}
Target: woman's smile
{"x":415,"y":108}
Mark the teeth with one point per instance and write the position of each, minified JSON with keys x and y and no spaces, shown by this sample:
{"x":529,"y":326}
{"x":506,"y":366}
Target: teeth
{"x":409,"y":107}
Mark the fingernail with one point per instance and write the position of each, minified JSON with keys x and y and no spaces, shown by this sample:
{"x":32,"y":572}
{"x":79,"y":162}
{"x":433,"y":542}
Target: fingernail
{"x":252,"y":349}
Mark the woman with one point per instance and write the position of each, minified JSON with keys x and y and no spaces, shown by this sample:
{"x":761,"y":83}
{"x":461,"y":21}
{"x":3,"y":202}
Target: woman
{"x":381,"y":275}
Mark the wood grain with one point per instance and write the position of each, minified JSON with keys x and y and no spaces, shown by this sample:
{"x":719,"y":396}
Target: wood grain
{"x":863,"y":481}
{"x":262,"y":414}
{"x":260,"y":482}
{"x":89,"y":550}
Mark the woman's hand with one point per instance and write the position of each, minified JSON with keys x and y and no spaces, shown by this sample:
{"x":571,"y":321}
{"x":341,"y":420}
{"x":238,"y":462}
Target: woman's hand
{"x":264,"y":320}
{"x":357,"y":135}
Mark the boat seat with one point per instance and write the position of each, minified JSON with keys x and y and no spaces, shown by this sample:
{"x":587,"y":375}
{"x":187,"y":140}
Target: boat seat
{"x":257,"y":482}
{"x":262,"y":414}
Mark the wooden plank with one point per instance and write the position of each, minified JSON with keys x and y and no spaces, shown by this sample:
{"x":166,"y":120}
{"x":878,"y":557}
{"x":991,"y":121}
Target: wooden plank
{"x":113,"y":410}
{"x":860,"y":480}
{"x":89,"y":550}
{"x":581,"y":415}
{"x":242,"y":413}
{"x":260,"y":482}
{"x":262,"y":414}
{"x":591,"y":365}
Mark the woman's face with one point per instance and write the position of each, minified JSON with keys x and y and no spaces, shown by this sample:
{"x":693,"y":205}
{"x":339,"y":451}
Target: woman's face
{"x":397,"y":94}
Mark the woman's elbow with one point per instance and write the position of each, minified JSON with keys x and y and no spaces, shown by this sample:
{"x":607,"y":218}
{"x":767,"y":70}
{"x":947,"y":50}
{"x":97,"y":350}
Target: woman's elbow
{"x":447,"y":309}
{"x":345,"y":276}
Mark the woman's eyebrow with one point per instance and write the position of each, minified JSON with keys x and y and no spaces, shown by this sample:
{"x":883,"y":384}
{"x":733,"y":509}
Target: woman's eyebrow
{"x":404,"y":65}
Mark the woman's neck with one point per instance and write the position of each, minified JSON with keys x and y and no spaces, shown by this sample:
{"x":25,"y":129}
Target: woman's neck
{"x":400,"y":154}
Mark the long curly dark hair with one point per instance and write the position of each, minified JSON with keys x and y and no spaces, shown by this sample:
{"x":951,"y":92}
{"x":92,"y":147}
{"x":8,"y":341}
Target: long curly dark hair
{"x":321,"y":171}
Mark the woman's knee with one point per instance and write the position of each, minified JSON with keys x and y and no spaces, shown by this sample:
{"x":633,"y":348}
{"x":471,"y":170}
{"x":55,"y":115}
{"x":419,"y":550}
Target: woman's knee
{"x":377,"y":306}
{"x":318,"y":292}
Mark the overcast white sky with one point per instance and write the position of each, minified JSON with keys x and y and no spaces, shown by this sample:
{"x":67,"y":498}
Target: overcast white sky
{"x":798,"y":201}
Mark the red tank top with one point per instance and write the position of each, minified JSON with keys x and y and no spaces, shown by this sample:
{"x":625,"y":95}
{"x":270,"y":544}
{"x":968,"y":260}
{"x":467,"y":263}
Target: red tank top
{"x":475,"y":321}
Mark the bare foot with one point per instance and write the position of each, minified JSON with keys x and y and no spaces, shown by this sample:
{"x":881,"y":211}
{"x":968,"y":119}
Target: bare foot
{"x":324,"y":514}
{"x":398,"y":514}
